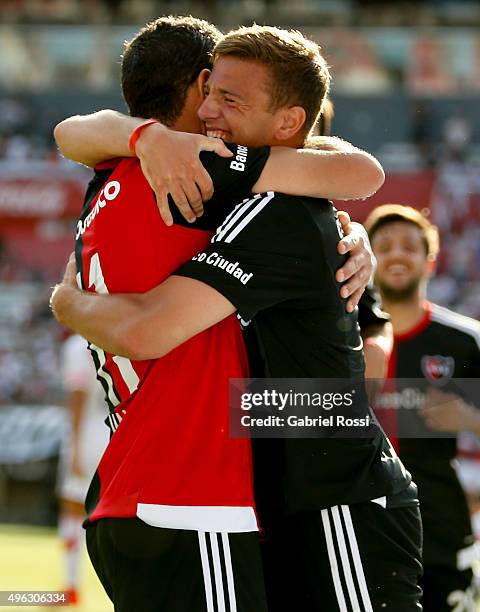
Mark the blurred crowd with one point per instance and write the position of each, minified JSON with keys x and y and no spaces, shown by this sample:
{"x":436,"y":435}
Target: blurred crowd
{"x":25,"y":135}
{"x":455,"y":209}
{"x":351,"y":12}
{"x":420,"y":61}
{"x":29,"y":346}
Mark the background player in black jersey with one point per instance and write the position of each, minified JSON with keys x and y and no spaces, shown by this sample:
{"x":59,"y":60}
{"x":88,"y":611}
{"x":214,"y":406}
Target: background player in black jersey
{"x":346,"y":521}
{"x":432,"y":346}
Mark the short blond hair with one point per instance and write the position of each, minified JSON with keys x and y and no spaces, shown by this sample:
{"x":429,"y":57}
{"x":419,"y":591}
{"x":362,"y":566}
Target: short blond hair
{"x":300,"y":75}
{"x":389,"y":213}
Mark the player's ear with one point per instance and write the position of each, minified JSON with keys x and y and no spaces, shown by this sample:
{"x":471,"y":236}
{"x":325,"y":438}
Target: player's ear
{"x":201,"y":80}
{"x":290,"y":122}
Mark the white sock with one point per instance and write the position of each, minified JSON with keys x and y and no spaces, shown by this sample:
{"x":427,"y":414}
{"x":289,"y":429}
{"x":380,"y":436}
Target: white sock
{"x":72,"y":533}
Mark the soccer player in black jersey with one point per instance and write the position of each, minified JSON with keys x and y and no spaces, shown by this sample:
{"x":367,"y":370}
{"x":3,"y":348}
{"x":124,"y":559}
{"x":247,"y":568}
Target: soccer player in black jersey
{"x":432,"y":346}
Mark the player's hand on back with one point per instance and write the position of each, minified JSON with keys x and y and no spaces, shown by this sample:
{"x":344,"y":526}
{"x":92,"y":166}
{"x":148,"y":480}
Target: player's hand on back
{"x":171,"y":164}
{"x":360,"y":265}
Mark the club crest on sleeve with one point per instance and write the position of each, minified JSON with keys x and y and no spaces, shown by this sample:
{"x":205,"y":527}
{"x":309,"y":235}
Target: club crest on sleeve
{"x":438,"y":368}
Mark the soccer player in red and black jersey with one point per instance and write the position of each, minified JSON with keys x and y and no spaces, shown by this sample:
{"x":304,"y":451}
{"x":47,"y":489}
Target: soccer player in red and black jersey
{"x":348,"y":510}
{"x":432,"y":347}
{"x":200,"y":489}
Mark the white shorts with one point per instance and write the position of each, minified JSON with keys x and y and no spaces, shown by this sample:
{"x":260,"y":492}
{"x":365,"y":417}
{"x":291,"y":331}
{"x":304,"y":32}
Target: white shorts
{"x":93,"y":441}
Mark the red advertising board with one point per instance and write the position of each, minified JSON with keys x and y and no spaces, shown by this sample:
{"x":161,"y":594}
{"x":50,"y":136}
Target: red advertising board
{"x":411,"y":189}
{"x":40,"y":198}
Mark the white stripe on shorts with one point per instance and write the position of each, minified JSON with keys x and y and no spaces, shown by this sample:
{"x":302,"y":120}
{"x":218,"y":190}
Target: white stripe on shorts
{"x":333,"y":561}
{"x":218,"y":572}
{"x":357,"y":561}
{"x":347,"y":570}
{"x":343,"y":538}
{"x":215,"y":573}
{"x":229,"y":570}
{"x":206,"y":571}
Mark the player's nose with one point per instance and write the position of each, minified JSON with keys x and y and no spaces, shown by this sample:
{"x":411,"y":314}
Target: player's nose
{"x":209,"y":109}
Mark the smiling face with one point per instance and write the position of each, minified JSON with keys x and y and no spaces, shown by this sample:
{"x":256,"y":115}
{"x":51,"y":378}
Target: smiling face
{"x":403,"y":266}
{"x":237,"y":103}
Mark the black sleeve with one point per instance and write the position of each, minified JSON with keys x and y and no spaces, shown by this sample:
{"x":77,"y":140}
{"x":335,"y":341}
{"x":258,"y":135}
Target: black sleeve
{"x":261,"y":256}
{"x":370,"y":310}
{"x":233,"y":179}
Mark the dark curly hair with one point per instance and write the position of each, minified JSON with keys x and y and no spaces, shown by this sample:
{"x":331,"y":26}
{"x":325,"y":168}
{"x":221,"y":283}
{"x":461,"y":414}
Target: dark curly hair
{"x":161,"y":62}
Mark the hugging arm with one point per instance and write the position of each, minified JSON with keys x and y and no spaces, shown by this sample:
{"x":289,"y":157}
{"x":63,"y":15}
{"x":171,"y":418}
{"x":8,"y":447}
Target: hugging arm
{"x":249,"y":270}
{"x":329,"y":168}
{"x":139,"y":326}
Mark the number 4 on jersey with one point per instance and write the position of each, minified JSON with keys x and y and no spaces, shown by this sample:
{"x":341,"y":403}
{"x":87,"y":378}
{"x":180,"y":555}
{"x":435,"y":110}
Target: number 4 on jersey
{"x":97,"y":281}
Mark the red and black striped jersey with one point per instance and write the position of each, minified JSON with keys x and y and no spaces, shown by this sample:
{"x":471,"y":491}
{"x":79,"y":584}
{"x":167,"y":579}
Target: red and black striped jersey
{"x":170,"y":460}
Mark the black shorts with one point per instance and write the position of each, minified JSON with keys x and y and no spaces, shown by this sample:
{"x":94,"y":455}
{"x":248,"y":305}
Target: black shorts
{"x":358,"y":558}
{"x":150,"y":569}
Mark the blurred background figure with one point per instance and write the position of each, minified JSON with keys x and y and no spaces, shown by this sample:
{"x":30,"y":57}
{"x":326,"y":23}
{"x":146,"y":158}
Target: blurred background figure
{"x":406,"y":87}
{"x":81,"y":453}
{"x":422,"y":409}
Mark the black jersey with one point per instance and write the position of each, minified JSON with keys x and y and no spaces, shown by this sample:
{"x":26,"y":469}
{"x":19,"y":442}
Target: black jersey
{"x":275,"y":258}
{"x":444,"y":344}
{"x":370,"y":310}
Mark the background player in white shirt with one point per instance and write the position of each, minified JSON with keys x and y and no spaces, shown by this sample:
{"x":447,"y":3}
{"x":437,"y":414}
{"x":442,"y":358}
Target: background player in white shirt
{"x":81,"y":452}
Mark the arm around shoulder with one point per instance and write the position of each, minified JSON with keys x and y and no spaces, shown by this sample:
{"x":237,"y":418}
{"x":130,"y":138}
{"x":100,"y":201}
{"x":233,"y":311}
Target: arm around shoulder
{"x":91,"y":139}
{"x":336,"y":170}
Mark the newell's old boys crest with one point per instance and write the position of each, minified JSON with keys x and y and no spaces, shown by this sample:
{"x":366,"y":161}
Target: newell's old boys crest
{"x":437,"y":368}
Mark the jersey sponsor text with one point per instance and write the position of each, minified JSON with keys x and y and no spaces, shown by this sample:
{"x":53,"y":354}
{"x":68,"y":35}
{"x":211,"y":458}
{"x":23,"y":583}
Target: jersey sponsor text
{"x":240,"y":159}
{"x":233,"y":268}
